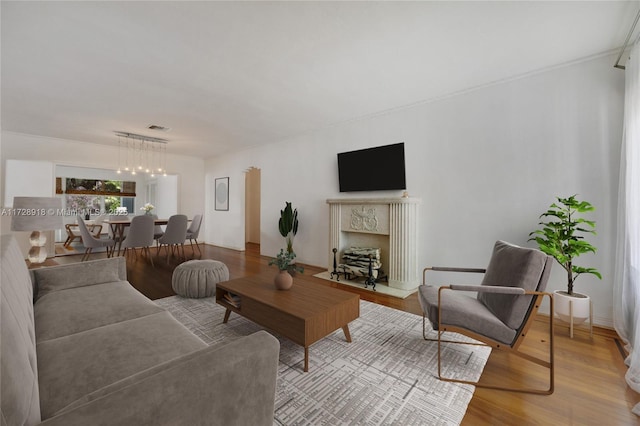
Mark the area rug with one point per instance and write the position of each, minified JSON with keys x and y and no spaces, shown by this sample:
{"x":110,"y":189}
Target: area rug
{"x":386,"y":376}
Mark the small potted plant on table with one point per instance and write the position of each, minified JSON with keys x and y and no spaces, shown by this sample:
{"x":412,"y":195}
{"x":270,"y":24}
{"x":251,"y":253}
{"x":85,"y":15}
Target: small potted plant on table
{"x":562,"y":238}
{"x":284,"y":280}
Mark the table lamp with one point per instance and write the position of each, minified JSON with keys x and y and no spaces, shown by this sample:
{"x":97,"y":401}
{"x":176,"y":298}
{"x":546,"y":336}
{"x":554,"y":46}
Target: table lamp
{"x":37,"y":214}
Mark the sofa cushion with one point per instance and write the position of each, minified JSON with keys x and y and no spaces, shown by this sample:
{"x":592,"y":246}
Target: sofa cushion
{"x":463,"y":311}
{"x":512,"y":266}
{"x":19,"y":374}
{"x":73,"y":366}
{"x":61,"y":313}
{"x":79,"y":274}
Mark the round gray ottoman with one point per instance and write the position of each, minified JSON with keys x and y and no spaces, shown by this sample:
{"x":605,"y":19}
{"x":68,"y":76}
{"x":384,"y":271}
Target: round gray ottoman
{"x":198,"y":278}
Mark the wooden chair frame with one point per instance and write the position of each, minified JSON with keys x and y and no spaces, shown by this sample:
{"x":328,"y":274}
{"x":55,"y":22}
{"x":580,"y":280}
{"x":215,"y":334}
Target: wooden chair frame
{"x":72,"y":236}
{"x":513,"y":348}
{"x":89,"y":251}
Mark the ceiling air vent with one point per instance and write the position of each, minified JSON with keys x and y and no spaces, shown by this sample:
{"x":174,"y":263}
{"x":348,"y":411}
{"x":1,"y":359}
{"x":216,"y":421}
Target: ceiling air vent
{"x":160,"y":128}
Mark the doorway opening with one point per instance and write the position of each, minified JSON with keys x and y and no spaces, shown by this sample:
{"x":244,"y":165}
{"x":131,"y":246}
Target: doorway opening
{"x":252,"y":209}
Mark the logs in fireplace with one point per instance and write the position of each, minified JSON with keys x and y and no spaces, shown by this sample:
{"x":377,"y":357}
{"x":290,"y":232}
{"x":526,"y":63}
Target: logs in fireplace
{"x":359,"y":262}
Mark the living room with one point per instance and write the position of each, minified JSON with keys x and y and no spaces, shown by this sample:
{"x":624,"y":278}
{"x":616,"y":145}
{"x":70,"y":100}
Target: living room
{"x":489,"y":143}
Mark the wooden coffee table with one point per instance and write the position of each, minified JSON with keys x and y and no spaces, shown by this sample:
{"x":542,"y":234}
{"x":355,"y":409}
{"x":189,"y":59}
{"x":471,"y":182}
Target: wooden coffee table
{"x":304,"y":314}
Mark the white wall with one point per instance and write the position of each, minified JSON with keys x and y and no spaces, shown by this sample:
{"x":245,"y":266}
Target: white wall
{"x":486,"y":163}
{"x":226,"y":228}
{"x":166,"y":202}
{"x":28,"y":179}
{"x":190,"y":170}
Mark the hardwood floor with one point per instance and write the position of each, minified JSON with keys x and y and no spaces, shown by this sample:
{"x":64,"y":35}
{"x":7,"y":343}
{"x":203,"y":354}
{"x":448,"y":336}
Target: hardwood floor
{"x":589,"y":372}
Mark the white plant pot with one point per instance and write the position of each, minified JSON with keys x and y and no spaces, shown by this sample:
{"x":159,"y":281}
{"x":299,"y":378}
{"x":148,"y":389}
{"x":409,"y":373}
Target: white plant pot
{"x":564,"y":304}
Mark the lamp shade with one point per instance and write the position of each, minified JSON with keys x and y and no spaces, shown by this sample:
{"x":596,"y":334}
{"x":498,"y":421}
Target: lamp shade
{"x":36,"y":214}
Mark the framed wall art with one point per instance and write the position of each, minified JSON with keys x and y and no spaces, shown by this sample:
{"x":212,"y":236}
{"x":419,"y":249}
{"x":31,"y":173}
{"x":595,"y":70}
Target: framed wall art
{"x":222,"y":194}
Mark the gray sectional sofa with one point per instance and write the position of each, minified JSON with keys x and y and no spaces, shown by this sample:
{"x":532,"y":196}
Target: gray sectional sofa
{"x":80,"y":346}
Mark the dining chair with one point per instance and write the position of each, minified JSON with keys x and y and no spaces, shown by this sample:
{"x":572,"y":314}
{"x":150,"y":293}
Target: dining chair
{"x":500,"y":315}
{"x":71,"y":234}
{"x":99,"y":221}
{"x":157,"y":230}
{"x":113,"y":236}
{"x":90,"y":242}
{"x":140,"y":235}
{"x":194,"y":230}
{"x":74,"y":234}
{"x":174,"y":235}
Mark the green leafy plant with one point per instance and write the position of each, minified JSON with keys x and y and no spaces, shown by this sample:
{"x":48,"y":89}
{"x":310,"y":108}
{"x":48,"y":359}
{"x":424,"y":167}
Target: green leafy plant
{"x":284,"y":262}
{"x":562,"y":236}
{"x":288,"y":225}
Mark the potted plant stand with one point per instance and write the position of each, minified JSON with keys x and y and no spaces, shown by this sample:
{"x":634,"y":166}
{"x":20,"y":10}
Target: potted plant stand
{"x":574,"y":309}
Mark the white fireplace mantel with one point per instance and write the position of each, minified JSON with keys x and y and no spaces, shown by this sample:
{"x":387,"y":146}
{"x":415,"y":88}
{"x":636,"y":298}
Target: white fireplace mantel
{"x":392,"y":221}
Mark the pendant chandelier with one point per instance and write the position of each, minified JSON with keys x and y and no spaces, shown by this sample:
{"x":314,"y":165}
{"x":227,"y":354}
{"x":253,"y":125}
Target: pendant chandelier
{"x":141,"y":154}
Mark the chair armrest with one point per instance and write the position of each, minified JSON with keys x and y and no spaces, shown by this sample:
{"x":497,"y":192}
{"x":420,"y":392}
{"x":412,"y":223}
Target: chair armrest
{"x":81,"y":274}
{"x":449,"y":269}
{"x":69,"y":230}
{"x":488,"y":289}
{"x":233,"y":384}
{"x":495,"y":289}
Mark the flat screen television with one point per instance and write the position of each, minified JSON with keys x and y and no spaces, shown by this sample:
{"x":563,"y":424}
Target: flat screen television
{"x":379,"y":168}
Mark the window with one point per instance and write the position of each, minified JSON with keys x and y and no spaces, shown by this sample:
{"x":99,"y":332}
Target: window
{"x":95,"y":196}
{"x":82,"y":203}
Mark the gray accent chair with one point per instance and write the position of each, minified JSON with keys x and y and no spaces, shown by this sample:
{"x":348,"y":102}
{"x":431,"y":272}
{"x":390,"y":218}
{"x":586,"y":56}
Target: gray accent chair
{"x":174,"y":235}
{"x":194,"y":230}
{"x":500,"y":315}
{"x":140,"y":235}
{"x":90,"y":242}
{"x":81,"y":346}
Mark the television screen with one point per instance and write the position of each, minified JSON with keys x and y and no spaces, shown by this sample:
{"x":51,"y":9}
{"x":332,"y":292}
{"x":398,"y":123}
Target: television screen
{"x":373,"y":169}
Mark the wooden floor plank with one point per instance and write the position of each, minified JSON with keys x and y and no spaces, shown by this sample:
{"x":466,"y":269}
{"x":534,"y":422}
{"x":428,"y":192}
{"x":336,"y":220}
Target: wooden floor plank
{"x":590,"y":386}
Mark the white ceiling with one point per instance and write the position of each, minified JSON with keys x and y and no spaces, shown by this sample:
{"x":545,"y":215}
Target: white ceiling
{"x":229,"y":75}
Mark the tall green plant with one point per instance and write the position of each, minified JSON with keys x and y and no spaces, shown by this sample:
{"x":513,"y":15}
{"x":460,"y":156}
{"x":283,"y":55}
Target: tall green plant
{"x":288,"y":224}
{"x":562,"y":236}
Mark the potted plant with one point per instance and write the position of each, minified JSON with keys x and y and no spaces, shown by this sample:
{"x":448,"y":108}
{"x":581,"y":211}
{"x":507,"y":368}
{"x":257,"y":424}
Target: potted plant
{"x":288,"y":225}
{"x":562,"y":237}
{"x":284,"y":280}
